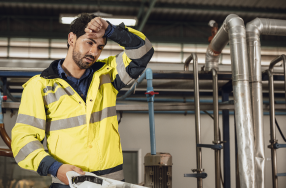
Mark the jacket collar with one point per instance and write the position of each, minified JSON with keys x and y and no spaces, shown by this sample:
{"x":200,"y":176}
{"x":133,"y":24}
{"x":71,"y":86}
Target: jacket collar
{"x":52,"y":72}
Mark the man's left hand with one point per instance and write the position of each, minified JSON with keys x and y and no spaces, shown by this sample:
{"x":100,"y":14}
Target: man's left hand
{"x":96,"y":28}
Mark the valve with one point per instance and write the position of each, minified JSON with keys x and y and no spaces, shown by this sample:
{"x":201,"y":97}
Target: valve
{"x":4,"y":98}
{"x":151,"y":93}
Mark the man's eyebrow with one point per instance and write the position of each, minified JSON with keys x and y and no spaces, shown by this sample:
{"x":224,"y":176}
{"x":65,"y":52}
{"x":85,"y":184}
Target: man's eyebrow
{"x":95,"y":42}
{"x":92,"y":40}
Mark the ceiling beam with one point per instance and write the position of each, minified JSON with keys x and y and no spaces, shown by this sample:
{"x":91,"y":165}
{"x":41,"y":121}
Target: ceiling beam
{"x":146,"y":16}
{"x":141,"y":9}
{"x":160,"y":39}
{"x":159,"y":5}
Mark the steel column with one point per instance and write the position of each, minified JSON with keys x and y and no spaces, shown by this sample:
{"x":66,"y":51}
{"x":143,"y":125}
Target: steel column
{"x":226,"y":145}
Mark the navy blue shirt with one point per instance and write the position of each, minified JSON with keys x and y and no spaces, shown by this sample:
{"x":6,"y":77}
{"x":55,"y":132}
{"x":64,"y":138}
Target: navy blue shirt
{"x":80,"y":86}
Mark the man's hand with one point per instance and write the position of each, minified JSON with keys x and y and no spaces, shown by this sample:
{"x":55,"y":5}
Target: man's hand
{"x":61,"y":174}
{"x":96,"y":27}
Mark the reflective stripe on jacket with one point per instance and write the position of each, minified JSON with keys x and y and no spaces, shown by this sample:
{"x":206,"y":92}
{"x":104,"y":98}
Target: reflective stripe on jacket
{"x":81,"y":133}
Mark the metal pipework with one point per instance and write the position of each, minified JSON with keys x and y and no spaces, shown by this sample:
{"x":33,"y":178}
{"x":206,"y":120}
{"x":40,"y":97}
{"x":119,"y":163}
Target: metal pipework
{"x":4,"y":152}
{"x":200,"y":174}
{"x":233,"y":31}
{"x":197,"y":118}
{"x":216,"y":128}
{"x":273,"y":140}
{"x":255,"y":28}
{"x":272,"y":64}
{"x":133,"y":87}
{"x":150,"y":94}
{"x":187,"y":62}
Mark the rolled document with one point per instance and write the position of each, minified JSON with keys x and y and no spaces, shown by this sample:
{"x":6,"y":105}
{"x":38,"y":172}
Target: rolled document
{"x":90,"y":180}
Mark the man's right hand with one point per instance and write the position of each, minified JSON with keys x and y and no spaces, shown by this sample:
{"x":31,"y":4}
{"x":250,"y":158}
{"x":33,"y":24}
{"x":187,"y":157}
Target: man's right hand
{"x":61,"y":174}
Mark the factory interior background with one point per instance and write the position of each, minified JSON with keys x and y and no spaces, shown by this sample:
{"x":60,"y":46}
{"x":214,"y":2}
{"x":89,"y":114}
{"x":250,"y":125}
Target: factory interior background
{"x":31,"y":37}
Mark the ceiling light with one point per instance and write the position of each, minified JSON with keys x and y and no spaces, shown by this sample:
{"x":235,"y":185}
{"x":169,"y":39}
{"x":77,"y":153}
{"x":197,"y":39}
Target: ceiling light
{"x":115,"y":20}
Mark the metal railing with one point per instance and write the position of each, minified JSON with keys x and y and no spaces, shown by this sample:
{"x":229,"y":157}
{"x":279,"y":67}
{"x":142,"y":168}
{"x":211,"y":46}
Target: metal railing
{"x":273,"y":141}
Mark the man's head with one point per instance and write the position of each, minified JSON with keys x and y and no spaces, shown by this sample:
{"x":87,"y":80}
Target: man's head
{"x":84,"y":48}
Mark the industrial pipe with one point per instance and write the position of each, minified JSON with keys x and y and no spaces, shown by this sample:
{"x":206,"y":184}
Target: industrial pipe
{"x":216,"y":127}
{"x":133,"y":87}
{"x":150,"y":94}
{"x":187,"y":62}
{"x":233,"y":31}
{"x":273,"y":140}
{"x":197,"y":117}
{"x":255,"y":28}
{"x":3,"y":133}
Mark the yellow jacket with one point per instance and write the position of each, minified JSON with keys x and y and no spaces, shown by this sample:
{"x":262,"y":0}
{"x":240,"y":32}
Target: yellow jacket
{"x":81,"y":133}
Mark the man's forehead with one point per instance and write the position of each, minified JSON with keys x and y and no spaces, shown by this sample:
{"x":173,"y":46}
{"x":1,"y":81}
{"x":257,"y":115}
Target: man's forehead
{"x":99,"y":41}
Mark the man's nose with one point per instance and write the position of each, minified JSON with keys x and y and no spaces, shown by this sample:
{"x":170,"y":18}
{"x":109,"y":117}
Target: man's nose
{"x":93,"y":50}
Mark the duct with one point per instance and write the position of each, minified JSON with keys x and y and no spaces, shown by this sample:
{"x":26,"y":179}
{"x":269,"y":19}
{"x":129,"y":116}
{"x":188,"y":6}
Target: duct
{"x":254,"y":29}
{"x":233,"y":31}
{"x":215,"y":47}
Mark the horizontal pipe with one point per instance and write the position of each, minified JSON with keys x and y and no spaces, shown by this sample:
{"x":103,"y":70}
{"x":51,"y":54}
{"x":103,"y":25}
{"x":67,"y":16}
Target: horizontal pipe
{"x":193,"y":112}
{"x":133,"y":87}
{"x":188,"y":100}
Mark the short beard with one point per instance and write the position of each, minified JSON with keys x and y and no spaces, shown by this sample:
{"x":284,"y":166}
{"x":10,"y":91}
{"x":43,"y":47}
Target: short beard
{"x":76,"y":56}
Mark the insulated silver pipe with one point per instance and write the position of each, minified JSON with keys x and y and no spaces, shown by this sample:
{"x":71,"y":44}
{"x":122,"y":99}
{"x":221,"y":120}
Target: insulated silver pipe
{"x":254,"y":29}
{"x":233,"y":31}
{"x":216,"y":127}
{"x":272,"y":117}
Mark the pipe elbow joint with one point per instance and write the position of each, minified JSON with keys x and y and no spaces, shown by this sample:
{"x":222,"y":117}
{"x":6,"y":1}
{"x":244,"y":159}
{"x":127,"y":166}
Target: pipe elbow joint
{"x":232,"y":20}
{"x":254,"y":28}
{"x":212,"y":59}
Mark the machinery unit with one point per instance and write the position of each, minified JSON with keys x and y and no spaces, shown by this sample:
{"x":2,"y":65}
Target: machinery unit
{"x":158,"y":170}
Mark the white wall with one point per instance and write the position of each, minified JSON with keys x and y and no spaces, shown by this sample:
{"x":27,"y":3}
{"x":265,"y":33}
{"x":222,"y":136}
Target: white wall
{"x":175,"y":134}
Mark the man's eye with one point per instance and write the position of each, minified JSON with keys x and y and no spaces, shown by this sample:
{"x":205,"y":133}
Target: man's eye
{"x":90,"y":43}
{"x":101,"y":48}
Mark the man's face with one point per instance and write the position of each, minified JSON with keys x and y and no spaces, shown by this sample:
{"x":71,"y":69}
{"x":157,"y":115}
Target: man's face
{"x":87,"y":50}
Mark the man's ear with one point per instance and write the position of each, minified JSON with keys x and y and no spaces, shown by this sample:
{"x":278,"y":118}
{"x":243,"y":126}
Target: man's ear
{"x":71,"y":39}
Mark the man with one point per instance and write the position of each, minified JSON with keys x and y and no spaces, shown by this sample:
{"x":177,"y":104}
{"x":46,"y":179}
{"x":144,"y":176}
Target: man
{"x":73,"y":101}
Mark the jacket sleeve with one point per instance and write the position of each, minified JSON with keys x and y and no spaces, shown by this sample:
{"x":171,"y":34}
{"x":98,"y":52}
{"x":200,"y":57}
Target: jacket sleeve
{"x":29,"y":131}
{"x":130,"y":63}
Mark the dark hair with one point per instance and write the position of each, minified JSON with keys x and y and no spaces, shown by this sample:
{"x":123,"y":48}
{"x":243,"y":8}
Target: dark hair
{"x":79,"y":24}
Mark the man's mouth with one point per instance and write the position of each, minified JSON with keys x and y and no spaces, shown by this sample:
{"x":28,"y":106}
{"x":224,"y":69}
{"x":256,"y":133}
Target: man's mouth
{"x":90,"y":60}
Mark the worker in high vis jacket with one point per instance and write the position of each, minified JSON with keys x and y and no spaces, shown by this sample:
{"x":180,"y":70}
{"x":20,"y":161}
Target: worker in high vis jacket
{"x":73,"y":104}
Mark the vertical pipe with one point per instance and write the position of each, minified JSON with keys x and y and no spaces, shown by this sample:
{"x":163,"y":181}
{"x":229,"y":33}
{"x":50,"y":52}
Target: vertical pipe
{"x":152,"y":127}
{"x":272,"y":117}
{"x":216,"y":127}
{"x":1,"y":114}
{"x":272,"y":130}
{"x":150,"y":99}
{"x":197,"y":119}
{"x":237,"y":181}
{"x":242,"y":101}
{"x":255,"y":81}
{"x":233,"y":31}
{"x":284,"y":67}
{"x":226,"y":145}
{"x":255,"y":28}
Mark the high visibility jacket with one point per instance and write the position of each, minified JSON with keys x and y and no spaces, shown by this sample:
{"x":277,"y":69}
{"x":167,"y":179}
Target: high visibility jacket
{"x":80,"y":133}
